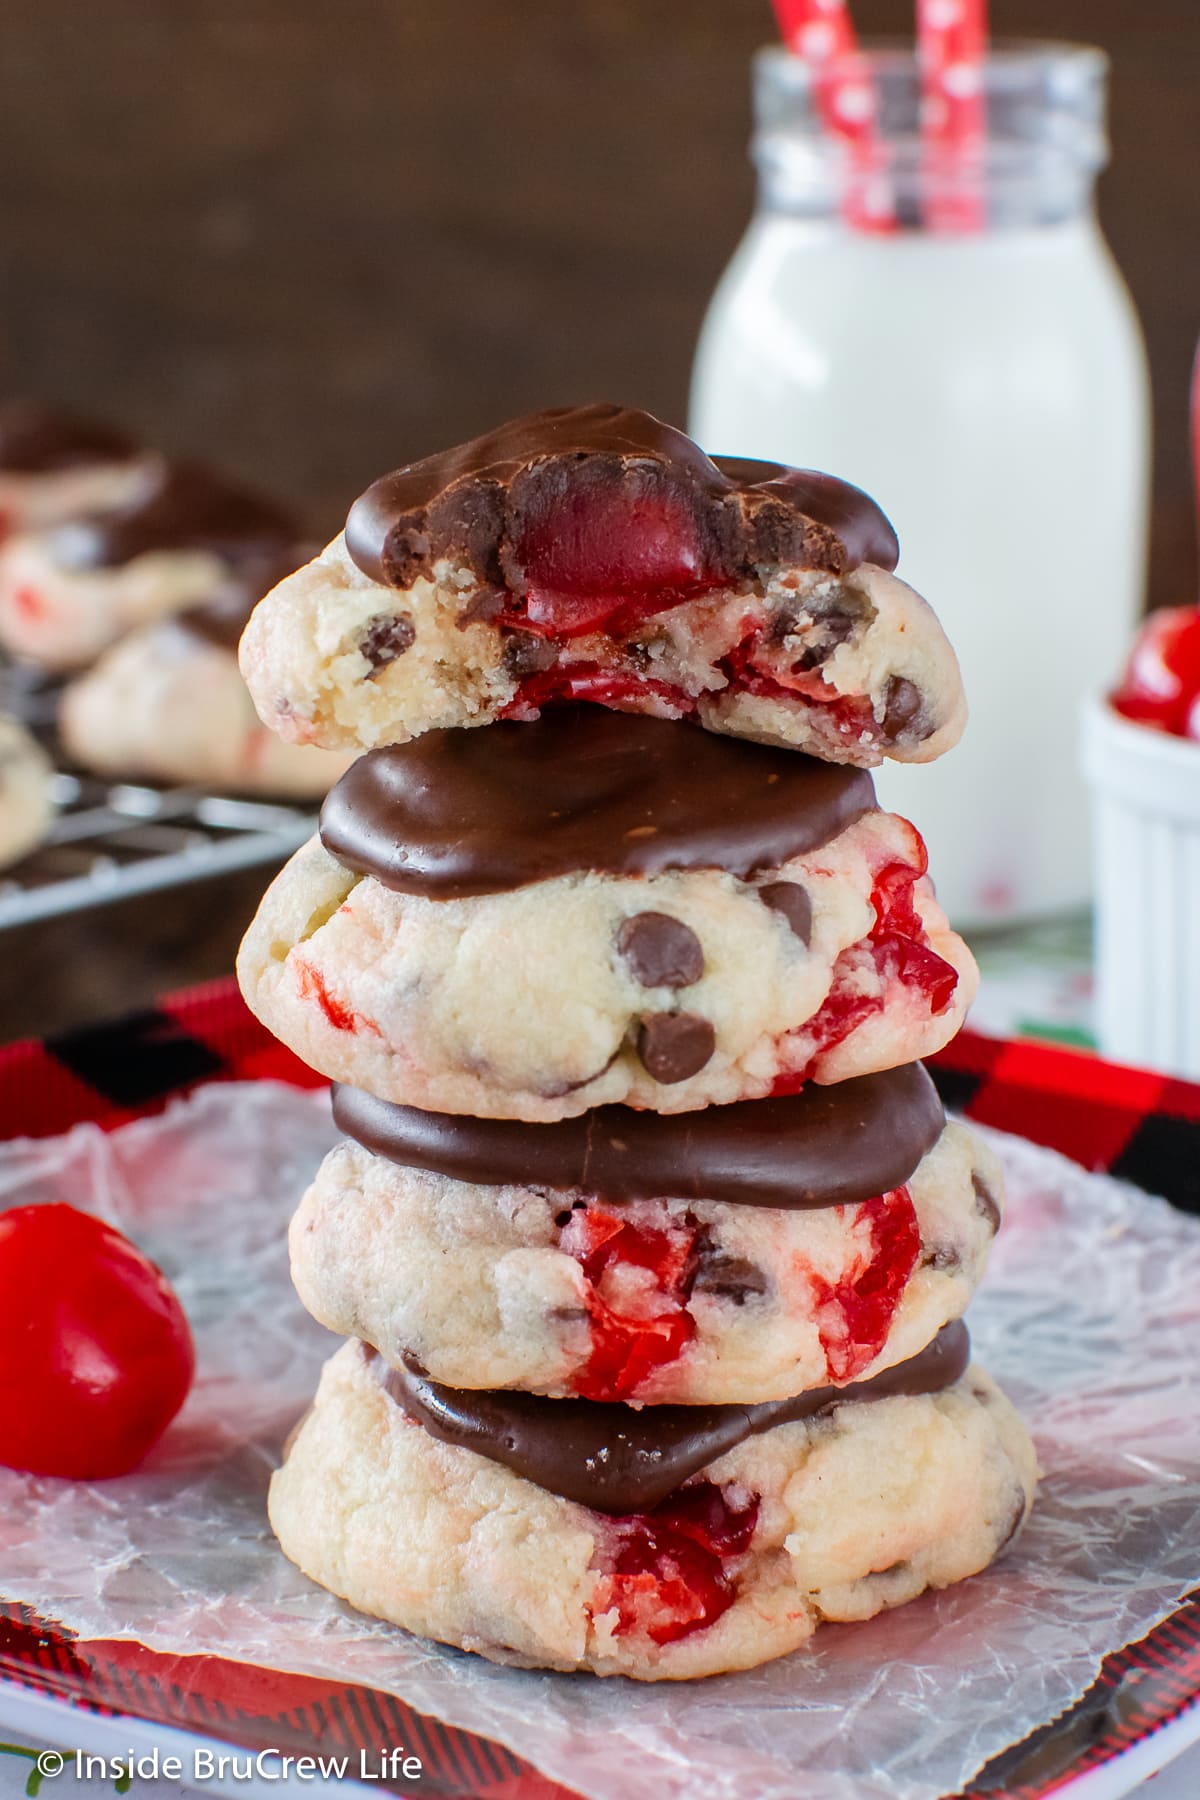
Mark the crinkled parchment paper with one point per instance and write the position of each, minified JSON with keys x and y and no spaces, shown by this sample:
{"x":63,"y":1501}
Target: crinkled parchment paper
{"x":1089,"y":1316}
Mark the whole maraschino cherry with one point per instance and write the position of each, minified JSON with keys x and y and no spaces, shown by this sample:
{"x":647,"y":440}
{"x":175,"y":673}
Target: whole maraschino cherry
{"x":96,"y":1356}
{"x":1160,"y":685}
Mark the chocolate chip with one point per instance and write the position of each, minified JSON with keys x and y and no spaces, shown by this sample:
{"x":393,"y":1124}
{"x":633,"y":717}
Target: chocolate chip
{"x":388,"y":635}
{"x":485,"y":604}
{"x":673,"y":1046}
{"x":557,"y":1089}
{"x":826,"y":621}
{"x":1013,"y":1522}
{"x":836,"y":630}
{"x":795,"y":904}
{"x":527,"y":654}
{"x":941,"y":1256}
{"x":660,"y":951}
{"x":901,"y":705}
{"x":985,"y":1201}
{"x":730,"y":1278}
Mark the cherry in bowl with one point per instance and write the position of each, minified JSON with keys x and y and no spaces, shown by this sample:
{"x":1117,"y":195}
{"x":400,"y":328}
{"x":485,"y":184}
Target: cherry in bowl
{"x":1160,"y":684}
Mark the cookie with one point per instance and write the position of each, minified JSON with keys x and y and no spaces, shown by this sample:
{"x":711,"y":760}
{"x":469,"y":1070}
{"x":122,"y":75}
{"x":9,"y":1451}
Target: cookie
{"x":162,"y":705}
{"x":836,"y":1516}
{"x":68,"y":592}
{"x":26,"y":796}
{"x":565,"y":1290}
{"x":54,"y":466}
{"x":595,"y":554}
{"x":167,"y":703}
{"x":675,"y":990}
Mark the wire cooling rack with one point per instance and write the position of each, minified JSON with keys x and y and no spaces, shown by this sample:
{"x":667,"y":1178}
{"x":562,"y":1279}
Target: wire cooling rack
{"x":111,"y":840}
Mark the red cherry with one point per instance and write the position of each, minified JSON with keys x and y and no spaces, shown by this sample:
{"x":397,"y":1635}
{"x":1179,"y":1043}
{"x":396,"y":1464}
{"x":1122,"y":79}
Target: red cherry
{"x":590,"y":554}
{"x":898,"y":945}
{"x":1160,"y":685}
{"x":95,"y":1353}
{"x":602,"y":687}
{"x":27,"y":602}
{"x":856,"y":1313}
{"x":627,"y":1346}
{"x":663,"y":1572}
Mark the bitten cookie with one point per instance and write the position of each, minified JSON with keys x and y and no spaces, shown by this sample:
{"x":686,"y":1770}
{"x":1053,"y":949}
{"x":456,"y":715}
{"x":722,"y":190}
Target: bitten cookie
{"x":167,"y":703}
{"x":833,"y":1517}
{"x":68,"y":592}
{"x":54,"y":466}
{"x":26,"y":803}
{"x":538,"y":919}
{"x":559,"y":1291}
{"x":595,"y":554}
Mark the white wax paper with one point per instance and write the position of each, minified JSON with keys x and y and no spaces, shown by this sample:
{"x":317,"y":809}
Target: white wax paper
{"x":1088,"y":1316}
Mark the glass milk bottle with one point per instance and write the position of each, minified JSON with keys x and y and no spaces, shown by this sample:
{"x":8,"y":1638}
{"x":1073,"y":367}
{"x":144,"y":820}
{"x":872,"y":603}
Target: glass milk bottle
{"x":988,"y":387}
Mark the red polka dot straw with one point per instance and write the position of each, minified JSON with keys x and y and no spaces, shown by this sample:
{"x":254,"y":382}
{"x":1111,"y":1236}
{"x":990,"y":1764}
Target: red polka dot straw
{"x":822,"y":34}
{"x":951,"y":47}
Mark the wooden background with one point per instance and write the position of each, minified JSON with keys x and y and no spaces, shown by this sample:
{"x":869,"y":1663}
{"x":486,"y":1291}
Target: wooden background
{"x":314,"y":238}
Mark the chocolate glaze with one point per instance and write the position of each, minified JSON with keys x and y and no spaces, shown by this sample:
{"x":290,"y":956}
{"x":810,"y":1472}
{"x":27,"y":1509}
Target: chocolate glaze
{"x":625,"y":1459}
{"x":482,"y":502}
{"x":179,"y":506}
{"x":223,"y":617}
{"x":825,"y":1146}
{"x":480,"y":812}
{"x":37,"y":440}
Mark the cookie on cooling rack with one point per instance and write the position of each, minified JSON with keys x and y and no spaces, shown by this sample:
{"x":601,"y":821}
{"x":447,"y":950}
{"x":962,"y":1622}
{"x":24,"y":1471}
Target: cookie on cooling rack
{"x":167,"y":703}
{"x":54,"y":466}
{"x":69,"y":591}
{"x":26,"y":802}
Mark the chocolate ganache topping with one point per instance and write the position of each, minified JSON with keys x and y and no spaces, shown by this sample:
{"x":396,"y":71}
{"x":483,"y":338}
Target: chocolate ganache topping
{"x":478,"y":812}
{"x":515,"y":506}
{"x":179,"y":506}
{"x":625,"y":1459}
{"x":222,"y":618}
{"x":38,"y":440}
{"x":825,"y":1146}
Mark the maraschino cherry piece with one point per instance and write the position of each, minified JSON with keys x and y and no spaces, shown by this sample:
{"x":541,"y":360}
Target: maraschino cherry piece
{"x":664,"y":1573}
{"x":96,"y":1357}
{"x":593,"y":549}
{"x":636,"y":1328}
{"x":855,"y":1314}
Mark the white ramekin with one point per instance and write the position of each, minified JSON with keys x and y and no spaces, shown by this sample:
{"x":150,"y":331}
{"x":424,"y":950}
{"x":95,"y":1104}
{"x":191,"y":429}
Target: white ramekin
{"x":1146,"y":848}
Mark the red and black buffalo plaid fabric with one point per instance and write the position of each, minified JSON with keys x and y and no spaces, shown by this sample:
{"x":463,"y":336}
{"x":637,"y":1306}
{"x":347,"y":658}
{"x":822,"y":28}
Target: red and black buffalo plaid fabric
{"x":1143,"y":1127}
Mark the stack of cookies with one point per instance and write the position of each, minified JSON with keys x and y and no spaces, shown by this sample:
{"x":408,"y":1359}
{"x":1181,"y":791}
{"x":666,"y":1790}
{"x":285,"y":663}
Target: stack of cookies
{"x":649,"y":1234}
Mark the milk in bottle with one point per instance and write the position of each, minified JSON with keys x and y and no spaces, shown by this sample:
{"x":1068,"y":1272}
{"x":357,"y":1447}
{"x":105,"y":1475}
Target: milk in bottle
{"x":988,"y":387}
